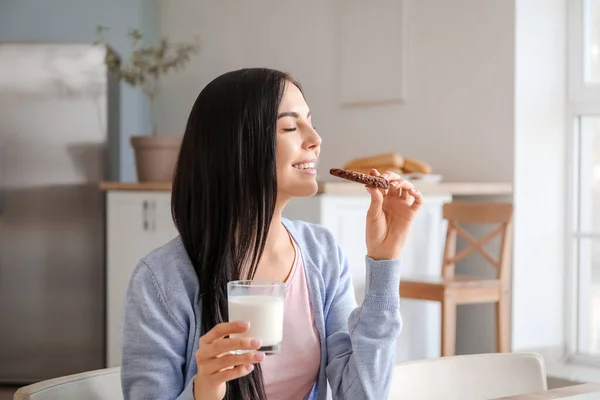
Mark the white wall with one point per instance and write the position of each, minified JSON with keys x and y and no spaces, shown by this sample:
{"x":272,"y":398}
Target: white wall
{"x":459,"y":109}
{"x":539,"y":181}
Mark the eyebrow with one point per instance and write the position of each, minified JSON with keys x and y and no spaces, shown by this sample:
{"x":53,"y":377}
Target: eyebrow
{"x":291,"y":114}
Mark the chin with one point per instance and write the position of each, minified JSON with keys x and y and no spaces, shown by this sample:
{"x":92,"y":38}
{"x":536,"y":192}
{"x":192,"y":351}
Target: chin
{"x":301,"y":190}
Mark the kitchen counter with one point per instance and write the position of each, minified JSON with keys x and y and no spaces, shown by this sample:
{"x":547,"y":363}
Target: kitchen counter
{"x":350,"y":188}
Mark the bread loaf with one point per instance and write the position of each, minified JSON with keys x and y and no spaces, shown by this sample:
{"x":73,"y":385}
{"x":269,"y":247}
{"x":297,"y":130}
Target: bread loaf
{"x":388,"y":162}
{"x":366,"y":170}
{"x":414,"y":166}
{"x":379,"y":161}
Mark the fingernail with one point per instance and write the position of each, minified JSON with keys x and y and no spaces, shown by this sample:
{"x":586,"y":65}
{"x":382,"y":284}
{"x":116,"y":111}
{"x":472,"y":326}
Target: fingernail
{"x":385,"y":175}
{"x":368,"y":189}
{"x":244,"y":324}
{"x":256,"y":343}
{"x":259,"y":356}
{"x":249,"y":367}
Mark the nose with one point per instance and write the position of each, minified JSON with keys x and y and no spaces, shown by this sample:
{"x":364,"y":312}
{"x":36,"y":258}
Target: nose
{"x":312,"y":139}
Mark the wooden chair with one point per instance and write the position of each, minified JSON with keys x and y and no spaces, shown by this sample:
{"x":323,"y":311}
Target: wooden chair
{"x":451,"y":290}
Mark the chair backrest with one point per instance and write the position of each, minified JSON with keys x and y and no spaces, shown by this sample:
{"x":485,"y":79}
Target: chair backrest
{"x":458,"y":212}
{"x":469,"y":377}
{"x":102,"y":384}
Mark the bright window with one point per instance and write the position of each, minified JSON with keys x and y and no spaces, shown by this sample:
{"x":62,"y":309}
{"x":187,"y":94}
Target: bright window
{"x":587,"y":233}
{"x":591,"y":28}
{"x":584,"y":131}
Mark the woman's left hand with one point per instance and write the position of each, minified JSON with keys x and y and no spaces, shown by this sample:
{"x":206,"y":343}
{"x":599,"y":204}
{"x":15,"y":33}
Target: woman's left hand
{"x":390,"y":216}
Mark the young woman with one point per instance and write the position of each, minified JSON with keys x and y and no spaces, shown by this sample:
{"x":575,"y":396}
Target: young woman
{"x":249,"y":148}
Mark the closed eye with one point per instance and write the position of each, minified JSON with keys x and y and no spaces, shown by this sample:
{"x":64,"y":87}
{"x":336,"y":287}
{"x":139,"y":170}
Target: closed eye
{"x":289,"y":129}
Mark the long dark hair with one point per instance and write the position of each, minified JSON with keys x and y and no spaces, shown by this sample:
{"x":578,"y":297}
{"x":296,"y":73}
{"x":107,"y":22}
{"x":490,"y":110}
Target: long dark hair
{"x":225,"y":188}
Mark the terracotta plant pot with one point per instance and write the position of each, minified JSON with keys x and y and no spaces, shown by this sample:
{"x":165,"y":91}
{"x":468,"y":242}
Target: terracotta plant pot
{"x":155,"y":157}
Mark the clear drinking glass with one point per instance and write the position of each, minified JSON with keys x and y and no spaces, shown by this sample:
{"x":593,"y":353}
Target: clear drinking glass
{"x":260,"y":304}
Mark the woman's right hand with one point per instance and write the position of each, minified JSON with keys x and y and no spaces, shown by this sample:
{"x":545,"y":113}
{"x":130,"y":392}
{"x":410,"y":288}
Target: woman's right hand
{"x":216,"y":365}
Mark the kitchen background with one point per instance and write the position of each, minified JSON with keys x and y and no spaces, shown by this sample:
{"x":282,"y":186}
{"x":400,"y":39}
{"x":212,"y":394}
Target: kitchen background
{"x":475,"y":88}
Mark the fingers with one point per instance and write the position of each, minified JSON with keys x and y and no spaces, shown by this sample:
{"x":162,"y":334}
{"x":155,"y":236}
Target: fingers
{"x":232,"y":360}
{"x":226,"y":345}
{"x":216,"y":362}
{"x":404,"y":196}
{"x":375,"y":208}
{"x":391,"y":176}
{"x":223,"y":329}
{"x":398,"y":187}
{"x":375,"y":211}
{"x":418,"y":199}
{"x":231,"y":374}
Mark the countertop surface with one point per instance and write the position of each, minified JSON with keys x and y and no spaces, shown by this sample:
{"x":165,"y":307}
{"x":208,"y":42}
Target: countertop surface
{"x":350,"y":188}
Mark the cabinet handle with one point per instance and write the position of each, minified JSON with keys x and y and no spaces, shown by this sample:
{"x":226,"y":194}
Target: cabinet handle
{"x":153,"y":216}
{"x":145,"y":215}
{"x":149,"y":215}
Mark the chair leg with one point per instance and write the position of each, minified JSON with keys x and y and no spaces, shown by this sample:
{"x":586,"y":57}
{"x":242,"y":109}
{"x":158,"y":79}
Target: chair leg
{"x":448,"y":327}
{"x":503,"y":323}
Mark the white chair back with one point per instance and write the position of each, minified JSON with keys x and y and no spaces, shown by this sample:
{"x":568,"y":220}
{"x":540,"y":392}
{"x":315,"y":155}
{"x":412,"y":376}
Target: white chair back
{"x":469,"y":377}
{"x":102,"y":384}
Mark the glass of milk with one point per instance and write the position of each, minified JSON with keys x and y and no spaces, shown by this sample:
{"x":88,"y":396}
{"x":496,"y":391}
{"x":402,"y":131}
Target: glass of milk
{"x":260,"y":304}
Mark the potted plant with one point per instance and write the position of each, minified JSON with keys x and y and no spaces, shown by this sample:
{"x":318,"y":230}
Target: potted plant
{"x":155,"y":155}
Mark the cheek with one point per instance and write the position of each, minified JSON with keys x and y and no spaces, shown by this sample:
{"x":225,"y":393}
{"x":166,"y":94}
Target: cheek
{"x":283,"y":159}
{"x":284,"y":153}
{"x":284,"y":178}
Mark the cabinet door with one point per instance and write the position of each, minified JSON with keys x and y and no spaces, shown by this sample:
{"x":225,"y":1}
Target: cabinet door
{"x":129,"y":237}
{"x":137,"y":223}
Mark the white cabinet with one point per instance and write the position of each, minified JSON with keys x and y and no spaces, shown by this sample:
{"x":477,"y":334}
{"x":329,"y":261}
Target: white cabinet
{"x":137,"y":223}
{"x":140,"y":221}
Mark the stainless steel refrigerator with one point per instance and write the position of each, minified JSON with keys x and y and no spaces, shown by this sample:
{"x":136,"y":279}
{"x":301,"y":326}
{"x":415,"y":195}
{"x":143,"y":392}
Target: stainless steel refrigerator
{"x":59,"y":123}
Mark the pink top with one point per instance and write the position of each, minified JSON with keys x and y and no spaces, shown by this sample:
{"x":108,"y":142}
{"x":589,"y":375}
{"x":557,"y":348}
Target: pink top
{"x":292,"y":373}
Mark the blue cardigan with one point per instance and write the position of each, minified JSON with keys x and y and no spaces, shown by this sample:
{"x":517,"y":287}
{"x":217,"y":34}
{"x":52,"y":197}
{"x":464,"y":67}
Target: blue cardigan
{"x":162,"y":322}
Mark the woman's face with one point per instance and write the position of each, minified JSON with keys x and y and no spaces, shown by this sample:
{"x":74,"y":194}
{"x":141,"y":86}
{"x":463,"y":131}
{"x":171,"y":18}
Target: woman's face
{"x":298,"y":146}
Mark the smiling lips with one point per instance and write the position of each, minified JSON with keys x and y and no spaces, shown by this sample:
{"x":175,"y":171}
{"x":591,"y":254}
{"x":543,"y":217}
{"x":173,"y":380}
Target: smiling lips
{"x":306,"y":166}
